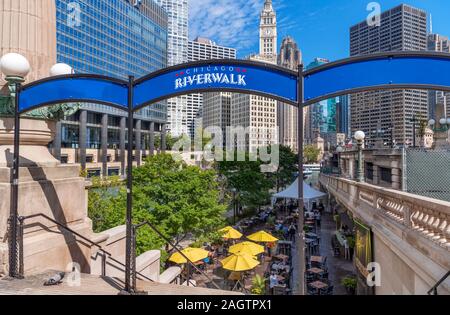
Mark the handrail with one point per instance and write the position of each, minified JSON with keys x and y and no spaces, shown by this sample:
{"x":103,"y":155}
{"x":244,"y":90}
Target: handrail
{"x":435,"y":287}
{"x":92,"y":243}
{"x":147,"y":223}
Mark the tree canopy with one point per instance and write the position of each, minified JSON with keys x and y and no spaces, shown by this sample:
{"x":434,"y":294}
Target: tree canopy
{"x":179,"y":200}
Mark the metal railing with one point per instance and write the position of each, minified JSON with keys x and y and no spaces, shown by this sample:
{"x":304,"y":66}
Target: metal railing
{"x":134,"y":230}
{"x":433,"y":290}
{"x":105,"y":254}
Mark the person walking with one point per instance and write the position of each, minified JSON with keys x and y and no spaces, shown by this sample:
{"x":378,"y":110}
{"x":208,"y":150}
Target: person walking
{"x":347,"y":250}
{"x":318,"y":217}
{"x":292,"y":231}
{"x":273,"y":282}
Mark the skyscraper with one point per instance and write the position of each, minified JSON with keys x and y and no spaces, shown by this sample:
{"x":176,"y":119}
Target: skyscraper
{"x":290,"y":57}
{"x":205,"y":49}
{"x":255,"y":113}
{"x":115,"y":38}
{"x":215,"y":106}
{"x":402,"y":28}
{"x":343,"y":115}
{"x":438,"y":43}
{"x":268,"y":33}
{"x":177,"y":52}
{"x":322,"y":117}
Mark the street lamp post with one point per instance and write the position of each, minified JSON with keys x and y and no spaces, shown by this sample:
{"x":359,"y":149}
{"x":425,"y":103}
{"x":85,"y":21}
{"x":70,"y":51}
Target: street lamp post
{"x":441,"y":131}
{"x":15,"y":67}
{"x":339,"y":151}
{"x":414,"y":120}
{"x":360,"y":136}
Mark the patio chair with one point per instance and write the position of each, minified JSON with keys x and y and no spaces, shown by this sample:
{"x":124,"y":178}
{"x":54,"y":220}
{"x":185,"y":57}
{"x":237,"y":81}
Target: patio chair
{"x":312,"y":291}
{"x":324,"y":276}
{"x":330,"y":290}
{"x":310,"y":277}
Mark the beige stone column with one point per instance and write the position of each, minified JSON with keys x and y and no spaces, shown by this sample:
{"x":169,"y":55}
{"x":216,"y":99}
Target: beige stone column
{"x":396,"y":178}
{"x":376,"y":175}
{"x":28,"y":27}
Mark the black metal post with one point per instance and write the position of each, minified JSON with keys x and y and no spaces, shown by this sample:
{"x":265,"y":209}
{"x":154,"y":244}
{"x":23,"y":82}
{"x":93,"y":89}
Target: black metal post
{"x":138,"y":150}
{"x":163,"y":139}
{"x":83,"y":139}
{"x":129,"y":223}
{"x":13,"y":253}
{"x":301,"y":202}
{"x":104,"y":145}
{"x":152,"y":138}
{"x":123,"y":127}
{"x":234,"y":207}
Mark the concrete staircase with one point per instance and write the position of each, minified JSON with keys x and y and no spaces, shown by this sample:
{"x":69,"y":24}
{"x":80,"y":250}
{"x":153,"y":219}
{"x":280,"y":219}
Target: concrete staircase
{"x":95,"y":285}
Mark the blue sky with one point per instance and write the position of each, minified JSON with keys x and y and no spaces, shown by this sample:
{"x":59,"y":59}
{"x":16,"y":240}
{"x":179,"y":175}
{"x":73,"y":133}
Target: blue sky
{"x":320,"y":27}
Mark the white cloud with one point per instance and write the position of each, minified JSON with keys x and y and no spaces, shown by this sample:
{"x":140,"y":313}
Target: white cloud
{"x":232,"y":23}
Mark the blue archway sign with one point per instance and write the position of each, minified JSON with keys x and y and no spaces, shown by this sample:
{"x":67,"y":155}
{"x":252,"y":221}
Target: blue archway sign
{"x":230,"y":75}
{"x":396,"y":70}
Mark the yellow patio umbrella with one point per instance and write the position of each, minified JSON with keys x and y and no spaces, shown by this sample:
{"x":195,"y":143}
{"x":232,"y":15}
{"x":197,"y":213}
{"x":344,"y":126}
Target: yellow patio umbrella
{"x":230,"y":233}
{"x":247,"y":247}
{"x":262,"y":237}
{"x":194,"y":255}
{"x":239,"y":262}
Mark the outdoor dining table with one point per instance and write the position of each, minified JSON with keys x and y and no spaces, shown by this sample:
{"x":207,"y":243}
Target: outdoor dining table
{"x":316,"y":270}
{"x":282,"y":257}
{"x":308,"y":241}
{"x":317,"y":259}
{"x":319,"y":285}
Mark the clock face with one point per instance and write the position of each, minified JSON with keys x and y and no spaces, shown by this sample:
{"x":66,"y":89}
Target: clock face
{"x":268,"y":32}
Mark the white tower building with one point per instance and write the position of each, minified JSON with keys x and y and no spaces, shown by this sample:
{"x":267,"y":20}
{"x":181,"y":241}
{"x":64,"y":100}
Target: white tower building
{"x":178,"y":17}
{"x":255,"y":113}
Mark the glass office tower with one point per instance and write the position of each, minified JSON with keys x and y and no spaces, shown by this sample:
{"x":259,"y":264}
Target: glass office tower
{"x":115,"y":38}
{"x":323,"y":114}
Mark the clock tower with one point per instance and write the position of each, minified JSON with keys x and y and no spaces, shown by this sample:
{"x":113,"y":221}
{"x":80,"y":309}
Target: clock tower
{"x":268,"y":32}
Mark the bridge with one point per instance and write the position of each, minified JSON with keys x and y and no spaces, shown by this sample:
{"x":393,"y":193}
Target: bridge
{"x":410,"y":234}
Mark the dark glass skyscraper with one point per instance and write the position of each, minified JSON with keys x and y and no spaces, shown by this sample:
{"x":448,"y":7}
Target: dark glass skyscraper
{"x":115,"y":38}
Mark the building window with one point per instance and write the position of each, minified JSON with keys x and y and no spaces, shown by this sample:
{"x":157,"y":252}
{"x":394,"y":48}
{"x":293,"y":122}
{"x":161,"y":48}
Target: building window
{"x":386,"y":174}
{"x":369,"y":171}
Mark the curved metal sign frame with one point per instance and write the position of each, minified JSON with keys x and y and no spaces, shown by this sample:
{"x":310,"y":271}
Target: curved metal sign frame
{"x":74,"y":88}
{"x":238,"y":76}
{"x":385,"y":71}
{"x":399,"y":70}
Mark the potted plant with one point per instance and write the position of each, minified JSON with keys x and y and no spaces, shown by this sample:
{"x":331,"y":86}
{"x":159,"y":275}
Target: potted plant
{"x":258,"y":285}
{"x":350,"y":284}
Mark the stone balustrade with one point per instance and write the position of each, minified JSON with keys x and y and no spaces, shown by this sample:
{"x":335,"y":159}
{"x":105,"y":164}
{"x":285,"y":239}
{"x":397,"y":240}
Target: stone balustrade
{"x":429,"y":218}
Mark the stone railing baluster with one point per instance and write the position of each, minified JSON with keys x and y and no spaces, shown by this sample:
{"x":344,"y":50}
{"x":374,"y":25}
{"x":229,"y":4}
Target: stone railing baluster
{"x":429,"y":218}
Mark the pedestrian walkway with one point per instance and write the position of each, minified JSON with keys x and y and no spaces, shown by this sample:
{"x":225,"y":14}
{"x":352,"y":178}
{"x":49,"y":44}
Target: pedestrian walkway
{"x":338,"y":268}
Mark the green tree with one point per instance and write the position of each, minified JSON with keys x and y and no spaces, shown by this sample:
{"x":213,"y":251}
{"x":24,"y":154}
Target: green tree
{"x":287,"y":167}
{"x":179,"y":200}
{"x":252,"y":185}
{"x":311,"y":154}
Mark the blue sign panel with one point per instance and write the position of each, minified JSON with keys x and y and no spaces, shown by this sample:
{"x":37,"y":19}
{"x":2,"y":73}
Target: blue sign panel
{"x":412,"y":71}
{"x":74,"y":89}
{"x":233,"y":77}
